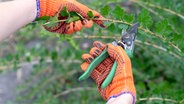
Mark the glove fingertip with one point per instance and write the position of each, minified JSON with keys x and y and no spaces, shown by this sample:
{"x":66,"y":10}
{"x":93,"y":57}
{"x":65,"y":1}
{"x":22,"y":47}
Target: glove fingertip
{"x":99,"y":21}
{"x":99,"y":44}
{"x":77,"y":26}
{"x":88,"y":24}
{"x":84,"y":66}
{"x":70,"y":29}
{"x":111,"y":50}
{"x":84,"y":56}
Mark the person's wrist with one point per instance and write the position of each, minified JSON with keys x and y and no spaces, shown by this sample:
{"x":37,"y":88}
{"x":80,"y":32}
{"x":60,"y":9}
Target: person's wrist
{"x":123,"y":98}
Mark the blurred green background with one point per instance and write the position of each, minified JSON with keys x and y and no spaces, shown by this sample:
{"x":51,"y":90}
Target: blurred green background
{"x":53,"y":61}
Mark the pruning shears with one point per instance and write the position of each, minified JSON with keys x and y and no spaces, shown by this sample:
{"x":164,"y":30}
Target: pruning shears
{"x":126,"y":42}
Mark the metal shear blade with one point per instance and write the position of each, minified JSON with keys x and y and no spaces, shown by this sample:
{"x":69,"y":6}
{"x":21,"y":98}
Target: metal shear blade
{"x":127,"y":39}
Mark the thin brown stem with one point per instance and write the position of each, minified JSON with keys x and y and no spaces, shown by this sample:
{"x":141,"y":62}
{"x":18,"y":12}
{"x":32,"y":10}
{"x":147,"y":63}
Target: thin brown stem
{"x":159,"y":47}
{"x":142,"y":4}
{"x":182,"y":101}
{"x":52,"y":22}
{"x":120,"y":21}
{"x":159,"y":7}
{"x":156,"y":98}
{"x":140,"y":27}
{"x":149,"y":9}
{"x":136,"y":41}
{"x":71,"y":90}
{"x":143,"y":29}
{"x":50,"y":80}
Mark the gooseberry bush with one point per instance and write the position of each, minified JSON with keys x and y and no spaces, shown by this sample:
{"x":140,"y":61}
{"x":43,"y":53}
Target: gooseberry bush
{"x":157,"y":63}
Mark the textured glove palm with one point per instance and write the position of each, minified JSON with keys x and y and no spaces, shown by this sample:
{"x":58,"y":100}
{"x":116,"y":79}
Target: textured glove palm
{"x":123,"y":79}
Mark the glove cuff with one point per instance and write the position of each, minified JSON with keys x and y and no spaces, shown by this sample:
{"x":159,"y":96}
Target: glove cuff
{"x":134,"y":97}
{"x":119,"y":85}
{"x":47,"y":7}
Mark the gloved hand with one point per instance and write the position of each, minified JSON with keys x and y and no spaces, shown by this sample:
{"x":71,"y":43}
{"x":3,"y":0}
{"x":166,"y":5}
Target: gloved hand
{"x":122,"y":82}
{"x":52,"y":7}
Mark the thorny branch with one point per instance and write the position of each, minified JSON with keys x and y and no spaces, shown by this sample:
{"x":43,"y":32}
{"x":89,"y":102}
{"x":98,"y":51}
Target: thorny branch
{"x":93,"y":89}
{"x":159,"y":7}
{"x":143,"y":29}
{"x":156,"y":98}
{"x":123,"y":22}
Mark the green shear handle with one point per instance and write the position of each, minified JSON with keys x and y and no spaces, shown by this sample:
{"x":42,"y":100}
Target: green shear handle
{"x":94,"y":64}
{"x":126,"y":42}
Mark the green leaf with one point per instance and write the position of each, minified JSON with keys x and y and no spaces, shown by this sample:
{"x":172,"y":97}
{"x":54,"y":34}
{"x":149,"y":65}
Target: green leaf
{"x":128,"y":18}
{"x":118,"y":12}
{"x":145,"y":19}
{"x":62,"y":37}
{"x":72,"y":19}
{"x":44,"y":32}
{"x":105,"y":10}
{"x":163,"y":27}
{"x":72,"y":42}
{"x":107,"y":23}
{"x":112,"y":27}
{"x":64,"y":12}
{"x":9,"y":57}
{"x":53,"y":22}
{"x":122,"y":26}
{"x":54,"y":55}
{"x":74,"y":16}
{"x":90,"y":14}
{"x":43,"y":18}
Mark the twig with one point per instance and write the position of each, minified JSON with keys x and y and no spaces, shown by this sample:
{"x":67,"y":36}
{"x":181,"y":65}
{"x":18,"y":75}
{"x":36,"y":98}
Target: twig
{"x":149,"y":9}
{"x":156,"y":98}
{"x":36,"y":62}
{"x":74,"y":90}
{"x":140,"y":27}
{"x":159,"y":7}
{"x":52,"y":22}
{"x":182,"y":101}
{"x":136,"y":41}
{"x":143,"y":29}
{"x":158,"y":47}
{"x":165,"y":9}
{"x":49,"y":80}
{"x":71,"y":90}
{"x":91,"y":37}
{"x":119,"y":21}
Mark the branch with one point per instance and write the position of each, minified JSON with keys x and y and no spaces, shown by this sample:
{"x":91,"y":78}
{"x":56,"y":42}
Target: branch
{"x":159,"y":47}
{"x":182,"y":101}
{"x":119,"y":21}
{"x":143,"y":29}
{"x":50,"y":80}
{"x":73,"y":90}
{"x":149,"y":9}
{"x":52,"y":22}
{"x":36,"y":62}
{"x":140,"y":27}
{"x":159,"y":7}
{"x":136,"y":41}
{"x":69,"y":91}
{"x":156,"y":98}
{"x":165,"y":9}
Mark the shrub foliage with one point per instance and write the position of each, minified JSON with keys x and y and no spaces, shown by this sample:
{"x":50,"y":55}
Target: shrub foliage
{"x":157,"y":63}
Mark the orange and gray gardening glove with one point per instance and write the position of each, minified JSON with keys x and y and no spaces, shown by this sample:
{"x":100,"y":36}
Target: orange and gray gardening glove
{"x":52,"y":7}
{"x":123,"y":82}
